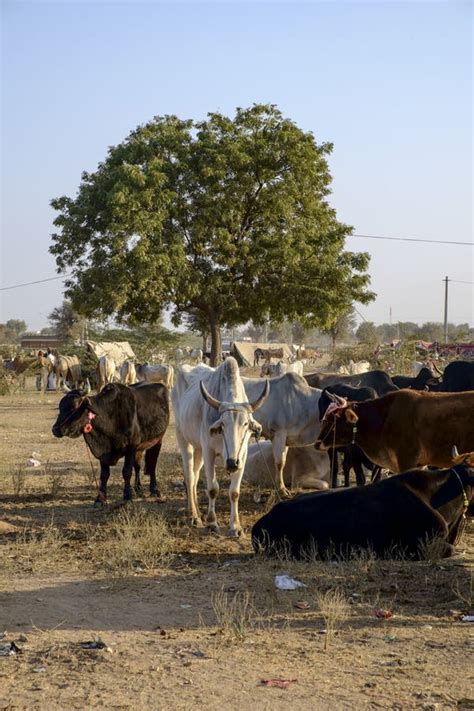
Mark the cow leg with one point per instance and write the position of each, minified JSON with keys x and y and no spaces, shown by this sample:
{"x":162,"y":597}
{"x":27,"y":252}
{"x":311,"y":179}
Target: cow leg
{"x":234,"y":493}
{"x":187,"y":457}
{"x":197,"y":466}
{"x":151,"y":458}
{"x":212,"y":489}
{"x":376,"y":474}
{"x":127,"y":474}
{"x":104,"y":477}
{"x":136,"y":466}
{"x":333,"y":467}
{"x":280,"y":450}
{"x":357,"y":466}
{"x":346,"y":468}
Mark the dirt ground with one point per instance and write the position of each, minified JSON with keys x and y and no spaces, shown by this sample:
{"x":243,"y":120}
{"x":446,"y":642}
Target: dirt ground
{"x":187,"y":619}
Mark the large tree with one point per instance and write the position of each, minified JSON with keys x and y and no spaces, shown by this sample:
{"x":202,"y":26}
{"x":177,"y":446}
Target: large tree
{"x":227,"y":216}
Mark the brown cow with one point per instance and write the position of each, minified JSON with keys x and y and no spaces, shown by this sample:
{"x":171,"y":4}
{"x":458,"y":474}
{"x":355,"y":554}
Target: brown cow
{"x":403,"y":429}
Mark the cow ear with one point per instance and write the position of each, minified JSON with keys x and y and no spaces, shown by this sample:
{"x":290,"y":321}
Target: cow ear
{"x":216,"y":428}
{"x":351,"y":416}
{"x":90,"y":405}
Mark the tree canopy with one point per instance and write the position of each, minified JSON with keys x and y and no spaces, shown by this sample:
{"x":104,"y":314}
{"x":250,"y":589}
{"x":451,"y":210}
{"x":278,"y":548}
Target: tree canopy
{"x":228,"y":217}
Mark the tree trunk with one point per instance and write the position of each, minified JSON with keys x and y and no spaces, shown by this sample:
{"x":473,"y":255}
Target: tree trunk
{"x":216,"y":342}
{"x":333,"y":338}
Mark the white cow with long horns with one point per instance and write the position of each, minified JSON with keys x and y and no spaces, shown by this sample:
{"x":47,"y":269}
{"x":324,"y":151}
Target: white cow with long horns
{"x":214,"y":418}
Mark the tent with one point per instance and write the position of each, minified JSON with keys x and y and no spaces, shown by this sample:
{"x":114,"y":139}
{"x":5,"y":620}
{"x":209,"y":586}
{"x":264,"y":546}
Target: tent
{"x":118,"y":350}
{"x":243,"y":351}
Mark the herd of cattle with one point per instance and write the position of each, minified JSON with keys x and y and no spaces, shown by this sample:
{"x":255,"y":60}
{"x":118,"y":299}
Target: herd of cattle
{"x":412,"y":427}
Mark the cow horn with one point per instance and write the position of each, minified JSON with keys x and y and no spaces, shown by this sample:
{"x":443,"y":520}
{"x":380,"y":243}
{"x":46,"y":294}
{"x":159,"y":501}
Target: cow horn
{"x":454,"y":452}
{"x":437,"y":369}
{"x":88,"y":388}
{"x":208,"y":398}
{"x":65,"y":388}
{"x":259,"y":401}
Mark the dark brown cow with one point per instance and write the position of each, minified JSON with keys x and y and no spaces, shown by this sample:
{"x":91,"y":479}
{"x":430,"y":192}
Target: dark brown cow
{"x":379,"y":380}
{"x":393,"y":517}
{"x":404,"y":429}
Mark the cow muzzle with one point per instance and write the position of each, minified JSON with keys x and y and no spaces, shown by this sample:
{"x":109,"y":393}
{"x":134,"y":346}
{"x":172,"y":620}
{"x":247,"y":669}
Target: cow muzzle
{"x":232,"y":465}
{"x":56,"y":430}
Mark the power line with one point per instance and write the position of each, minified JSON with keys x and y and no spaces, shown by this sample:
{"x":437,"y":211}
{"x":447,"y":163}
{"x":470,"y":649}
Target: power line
{"x":457,"y":281}
{"x":28,"y":283}
{"x":412,"y":239}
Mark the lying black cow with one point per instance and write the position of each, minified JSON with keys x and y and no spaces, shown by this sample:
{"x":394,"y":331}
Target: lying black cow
{"x":353,"y":457}
{"x":389,"y":517}
{"x":458,"y":377}
{"x":118,"y":422}
{"x":419,"y":382}
{"x":379,"y":380}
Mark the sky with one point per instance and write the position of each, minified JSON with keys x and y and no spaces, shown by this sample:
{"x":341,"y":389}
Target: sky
{"x":389,"y":83}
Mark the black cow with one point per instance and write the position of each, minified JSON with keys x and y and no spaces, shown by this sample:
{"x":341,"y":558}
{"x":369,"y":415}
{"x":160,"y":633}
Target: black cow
{"x":389,"y":517}
{"x":119,"y":422}
{"x":379,"y":380}
{"x":419,"y":382}
{"x":353,"y":457}
{"x":458,"y":377}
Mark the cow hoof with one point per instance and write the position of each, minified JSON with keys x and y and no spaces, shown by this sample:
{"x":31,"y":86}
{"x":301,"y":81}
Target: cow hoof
{"x":197,"y":522}
{"x":99,"y":503}
{"x":236,"y":533}
{"x":213,"y":528}
{"x":284,"y":493}
{"x":139,"y":491}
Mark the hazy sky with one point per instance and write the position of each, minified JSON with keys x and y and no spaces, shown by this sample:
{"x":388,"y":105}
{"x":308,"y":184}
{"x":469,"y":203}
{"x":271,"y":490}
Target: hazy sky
{"x":390,"y":84}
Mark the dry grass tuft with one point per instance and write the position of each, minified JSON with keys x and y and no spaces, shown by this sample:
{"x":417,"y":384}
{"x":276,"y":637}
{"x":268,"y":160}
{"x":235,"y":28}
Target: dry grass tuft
{"x":432,"y":548}
{"x":39,"y":550}
{"x":55,"y":480}
{"x":136,"y":540}
{"x":236,"y":614}
{"x":18,"y":479}
{"x":334,"y":608}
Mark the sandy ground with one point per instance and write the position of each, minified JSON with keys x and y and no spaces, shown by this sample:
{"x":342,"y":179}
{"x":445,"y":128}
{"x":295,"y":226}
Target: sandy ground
{"x":169,"y":642}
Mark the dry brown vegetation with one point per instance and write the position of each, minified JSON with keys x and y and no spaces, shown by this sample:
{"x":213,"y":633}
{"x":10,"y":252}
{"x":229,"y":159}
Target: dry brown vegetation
{"x":188,"y":618}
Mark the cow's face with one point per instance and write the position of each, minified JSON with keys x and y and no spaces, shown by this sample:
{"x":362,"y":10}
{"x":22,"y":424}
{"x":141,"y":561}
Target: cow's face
{"x":72,"y":415}
{"x":337,"y":428}
{"x":235,"y":425}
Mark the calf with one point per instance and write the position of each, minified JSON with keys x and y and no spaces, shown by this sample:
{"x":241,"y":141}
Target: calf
{"x":119,"y":422}
{"x":391,"y":517}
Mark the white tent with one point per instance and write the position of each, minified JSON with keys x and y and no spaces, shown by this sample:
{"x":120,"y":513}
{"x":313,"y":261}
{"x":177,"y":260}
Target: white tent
{"x":118,"y":350}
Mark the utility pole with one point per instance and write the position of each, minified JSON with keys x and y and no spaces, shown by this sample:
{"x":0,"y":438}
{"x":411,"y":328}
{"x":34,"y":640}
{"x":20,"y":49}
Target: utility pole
{"x":446,"y":282}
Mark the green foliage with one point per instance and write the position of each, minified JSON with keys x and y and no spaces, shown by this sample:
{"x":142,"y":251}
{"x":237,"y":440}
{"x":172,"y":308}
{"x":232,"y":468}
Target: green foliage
{"x":12,"y":330}
{"x":66,"y":322}
{"x":367,"y":332}
{"x":225,"y":216}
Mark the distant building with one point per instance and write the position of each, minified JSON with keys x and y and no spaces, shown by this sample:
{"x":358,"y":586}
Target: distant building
{"x":40,"y":341}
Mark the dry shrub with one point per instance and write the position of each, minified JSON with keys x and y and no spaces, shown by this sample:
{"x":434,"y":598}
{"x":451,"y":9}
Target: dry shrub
{"x":18,"y":479}
{"x":432,"y":548}
{"x":39,"y":550}
{"x":55,"y":480}
{"x":136,"y":539}
{"x":236,"y":615}
{"x":334,"y":608}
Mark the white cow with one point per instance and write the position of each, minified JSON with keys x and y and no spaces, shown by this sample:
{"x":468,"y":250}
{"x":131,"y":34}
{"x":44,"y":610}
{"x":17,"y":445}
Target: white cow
{"x":214,"y":418}
{"x":289,"y":416}
{"x":106,"y":371}
{"x":305,"y":468}
{"x":156,"y":374}
{"x":128,"y":373}
{"x":362,"y":366}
